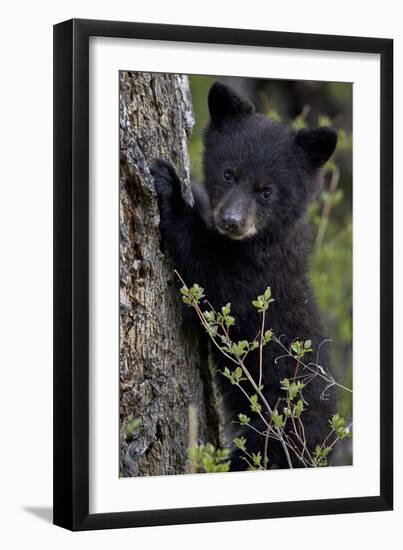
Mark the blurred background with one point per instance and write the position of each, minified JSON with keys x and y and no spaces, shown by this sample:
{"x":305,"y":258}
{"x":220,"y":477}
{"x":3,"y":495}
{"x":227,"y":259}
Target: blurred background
{"x":309,"y":104}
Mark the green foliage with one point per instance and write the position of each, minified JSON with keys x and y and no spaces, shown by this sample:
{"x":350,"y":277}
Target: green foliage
{"x":132,"y":427}
{"x":334,"y":286}
{"x":235,"y":376}
{"x":301,"y":348}
{"x":344,"y":141}
{"x":243,"y":419}
{"x":208,"y":459}
{"x":193,"y":295}
{"x":292,"y":388}
{"x":338,"y":425}
{"x":324,"y":120}
{"x":278,"y":419}
{"x":331,"y":275}
{"x":262,"y":302}
{"x":240,"y":443}
{"x":320,"y":456}
{"x":273,"y":114}
{"x":257,"y":459}
{"x":299,"y":123}
{"x":214,"y":320}
{"x":199,"y":87}
{"x":255,"y":406}
{"x":298,"y":408}
{"x":267,"y":336}
{"x":237,"y":348}
{"x":294,"y":411}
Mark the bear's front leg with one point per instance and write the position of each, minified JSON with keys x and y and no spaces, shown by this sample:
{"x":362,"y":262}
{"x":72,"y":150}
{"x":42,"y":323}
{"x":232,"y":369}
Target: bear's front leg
{"x":168,"y":187}
{"x":183,"y":228}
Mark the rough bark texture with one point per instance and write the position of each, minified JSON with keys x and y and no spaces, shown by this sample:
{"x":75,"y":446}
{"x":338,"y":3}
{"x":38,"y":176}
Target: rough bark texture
{"x":166,"y":401}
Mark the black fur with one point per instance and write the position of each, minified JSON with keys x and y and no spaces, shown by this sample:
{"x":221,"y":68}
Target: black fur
{"x":247,"y":231}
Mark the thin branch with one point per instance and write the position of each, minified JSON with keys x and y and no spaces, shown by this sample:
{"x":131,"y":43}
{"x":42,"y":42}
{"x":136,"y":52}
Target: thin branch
{"x":261,"y":349}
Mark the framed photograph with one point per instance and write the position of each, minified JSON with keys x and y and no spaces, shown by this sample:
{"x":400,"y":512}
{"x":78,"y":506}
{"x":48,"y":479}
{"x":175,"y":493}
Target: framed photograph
{"x":223,"y":317}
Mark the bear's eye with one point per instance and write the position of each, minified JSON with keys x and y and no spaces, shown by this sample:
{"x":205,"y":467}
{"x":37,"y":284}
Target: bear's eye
{"x":265,"y":193}
{"x":228,"y":176}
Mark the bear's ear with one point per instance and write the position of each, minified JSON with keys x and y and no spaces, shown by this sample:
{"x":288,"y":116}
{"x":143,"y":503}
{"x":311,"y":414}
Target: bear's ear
{"x":318,"y":144}
{"x":224,"y":102}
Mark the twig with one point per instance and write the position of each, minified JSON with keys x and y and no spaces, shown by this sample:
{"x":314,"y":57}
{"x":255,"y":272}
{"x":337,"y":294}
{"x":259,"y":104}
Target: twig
{"x":261,"y":350}
{"x":278,"y":433}
{"x":330,"y":380}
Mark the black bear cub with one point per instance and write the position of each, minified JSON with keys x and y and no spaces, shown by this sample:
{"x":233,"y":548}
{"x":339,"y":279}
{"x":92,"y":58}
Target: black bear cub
{"x":246,"y":231}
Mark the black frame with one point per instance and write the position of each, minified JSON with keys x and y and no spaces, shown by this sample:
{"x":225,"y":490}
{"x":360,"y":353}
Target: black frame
{"x":71,"y":274}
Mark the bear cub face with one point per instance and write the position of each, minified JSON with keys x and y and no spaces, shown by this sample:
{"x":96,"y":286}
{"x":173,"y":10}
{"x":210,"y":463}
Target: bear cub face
{"x":259,"y":175}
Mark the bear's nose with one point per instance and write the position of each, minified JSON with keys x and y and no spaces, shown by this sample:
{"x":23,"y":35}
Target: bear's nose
{"x":231,"y":221}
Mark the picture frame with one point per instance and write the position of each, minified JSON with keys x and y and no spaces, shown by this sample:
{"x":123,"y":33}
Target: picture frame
{"x":72,"y":253}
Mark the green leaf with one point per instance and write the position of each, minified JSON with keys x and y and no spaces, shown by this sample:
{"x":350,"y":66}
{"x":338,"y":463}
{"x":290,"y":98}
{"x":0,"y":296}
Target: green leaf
{"x":209,"y":316}
{"x":257,"y":459}
{"x":240,"y":443}
{"x":133,"y":426}
{"x":192,"y":296}
{"x":274,"y":115}
{"x":298,"y":408}
{"x":212,"y":330}
{"x":197,"y":292}
{"x":299,"y":123}
{"x":238,"y":373}
{"x":324,"y":120}
{"x":319,"y":456}
{"x":241,"y":347}
{"x":206,"y":458}
{"x":292,"y":388}
{"x":243,"y":419}
{"x":296,"y":347}
{"x":268,"y":336}
{"x":227,"y":372}
{"x":229,"y":321}
{"x":255,"y":405}
{"x":235,"y":376}
{"x":338,"y":425}
{"x":278,"y":420}
{"x":263,"y":301}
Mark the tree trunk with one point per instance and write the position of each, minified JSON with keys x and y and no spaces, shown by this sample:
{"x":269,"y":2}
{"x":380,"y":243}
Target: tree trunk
{"x":166,"y":397}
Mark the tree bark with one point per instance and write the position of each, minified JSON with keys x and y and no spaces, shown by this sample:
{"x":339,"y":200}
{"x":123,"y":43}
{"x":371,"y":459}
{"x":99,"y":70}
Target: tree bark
{"x":166,"y":397}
